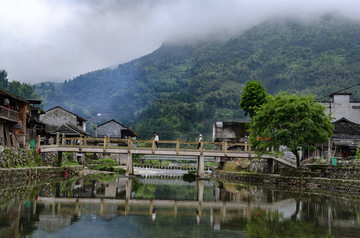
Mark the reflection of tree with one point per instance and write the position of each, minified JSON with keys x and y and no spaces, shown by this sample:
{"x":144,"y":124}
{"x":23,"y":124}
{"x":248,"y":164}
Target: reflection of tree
{"x":271,"y":224}
{"x":169,"y":191}
{"x":144,"y":191}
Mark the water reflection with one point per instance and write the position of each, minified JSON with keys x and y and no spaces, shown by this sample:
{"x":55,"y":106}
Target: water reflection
{"x":110,"y":206}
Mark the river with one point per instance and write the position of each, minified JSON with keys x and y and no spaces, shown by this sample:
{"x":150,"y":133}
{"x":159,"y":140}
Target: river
{"x":165,"y":206}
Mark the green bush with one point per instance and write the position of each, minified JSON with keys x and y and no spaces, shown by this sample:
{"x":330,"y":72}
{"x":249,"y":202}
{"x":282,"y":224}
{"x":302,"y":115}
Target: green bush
{"x":103,"y":161}
{"x":357,"y":154}
{"x":103,"y":167}
{"x":120,"y":170}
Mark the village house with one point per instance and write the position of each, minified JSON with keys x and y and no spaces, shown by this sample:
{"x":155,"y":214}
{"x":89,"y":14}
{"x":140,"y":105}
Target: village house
{"x":34,"y":126}
{"x":346,"y":120}
{"x":230,"y":131}
{"x":234,"y":132}
{"x":13,"y":111}
{"x":114,"y":129}
{"x":59,"y":120}
{"x":340,"y":106}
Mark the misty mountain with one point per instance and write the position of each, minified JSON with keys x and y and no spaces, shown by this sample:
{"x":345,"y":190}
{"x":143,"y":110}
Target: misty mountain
{"x":180,"y":90}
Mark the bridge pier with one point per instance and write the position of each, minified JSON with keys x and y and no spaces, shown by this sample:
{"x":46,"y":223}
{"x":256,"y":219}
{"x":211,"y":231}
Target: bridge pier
{"x":130,"y":165}
{"x":59,"y":161}
{"x":128,"y":189}
{"x":200,"y":190}
{"x":270,"y":164}
{"x":201,"y":166}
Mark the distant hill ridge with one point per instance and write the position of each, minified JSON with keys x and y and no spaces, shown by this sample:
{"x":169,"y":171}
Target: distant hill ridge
{"x":180,"y":90}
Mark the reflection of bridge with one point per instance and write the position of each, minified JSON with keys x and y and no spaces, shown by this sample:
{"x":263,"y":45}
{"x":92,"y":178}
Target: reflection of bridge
{"x":176,"y":158}
{"x":167,"y":203}
{"x":147,"y":147}
{"x":173,"y":182}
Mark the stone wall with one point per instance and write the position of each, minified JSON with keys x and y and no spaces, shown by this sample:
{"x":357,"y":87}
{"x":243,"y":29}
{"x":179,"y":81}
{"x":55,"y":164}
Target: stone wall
{"x":35,"y":173}
{"x":247,"y":165}
{"x":11,"y":157}
{"x":336,"y":172}
{"x":321,"y":185}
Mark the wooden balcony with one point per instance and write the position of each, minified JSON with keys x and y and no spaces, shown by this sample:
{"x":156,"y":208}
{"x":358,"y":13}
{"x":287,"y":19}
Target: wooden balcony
{"x":8,"y":114}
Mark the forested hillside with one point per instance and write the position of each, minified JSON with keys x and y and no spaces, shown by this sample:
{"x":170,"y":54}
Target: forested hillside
{"x":180,"y":90}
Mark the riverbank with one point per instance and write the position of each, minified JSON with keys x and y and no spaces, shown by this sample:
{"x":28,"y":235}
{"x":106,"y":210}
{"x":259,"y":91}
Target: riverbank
{"x":35,"y":173}
{"x":343,"y":187}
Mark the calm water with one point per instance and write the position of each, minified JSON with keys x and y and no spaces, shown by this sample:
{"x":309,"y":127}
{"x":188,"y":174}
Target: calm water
{"x":106,"y":206}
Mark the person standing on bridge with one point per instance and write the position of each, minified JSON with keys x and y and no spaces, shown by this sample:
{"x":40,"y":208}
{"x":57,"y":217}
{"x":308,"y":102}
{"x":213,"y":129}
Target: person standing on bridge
{"x":156,"y":140}
{"x":50,"y":140}
{"x":200,"y":140}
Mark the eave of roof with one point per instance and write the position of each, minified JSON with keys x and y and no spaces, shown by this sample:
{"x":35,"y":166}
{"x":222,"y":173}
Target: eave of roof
{"x":14,"y":96}
{"x":79,"y":117}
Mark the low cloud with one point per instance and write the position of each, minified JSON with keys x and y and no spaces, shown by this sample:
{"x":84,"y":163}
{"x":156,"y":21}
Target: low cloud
{"x":51,"y":40}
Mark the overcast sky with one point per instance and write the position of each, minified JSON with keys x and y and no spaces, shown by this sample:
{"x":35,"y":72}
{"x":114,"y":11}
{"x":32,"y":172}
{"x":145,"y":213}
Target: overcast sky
{"x":56,"y":40}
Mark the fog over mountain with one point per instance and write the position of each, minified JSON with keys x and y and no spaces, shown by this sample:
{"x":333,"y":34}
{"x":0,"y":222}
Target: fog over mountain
{"x":51,"y":40}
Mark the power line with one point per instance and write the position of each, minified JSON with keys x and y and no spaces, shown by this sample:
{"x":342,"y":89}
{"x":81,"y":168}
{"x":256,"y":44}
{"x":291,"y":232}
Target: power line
{"x":338,"y":91}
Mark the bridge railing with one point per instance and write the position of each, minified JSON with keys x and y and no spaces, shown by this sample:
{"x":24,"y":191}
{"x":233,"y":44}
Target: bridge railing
{"x":107,"y":142}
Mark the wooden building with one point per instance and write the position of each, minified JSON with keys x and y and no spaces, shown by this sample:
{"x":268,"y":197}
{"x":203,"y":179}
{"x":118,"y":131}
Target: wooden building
{"x":13,"y":111}
{"x":346,"y":138}
{"x":114,"y":129}
{"x":34,"y":126}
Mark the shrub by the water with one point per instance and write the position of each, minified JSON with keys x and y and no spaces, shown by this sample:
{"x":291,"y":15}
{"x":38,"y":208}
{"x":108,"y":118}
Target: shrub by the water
{"x":231,"y":166}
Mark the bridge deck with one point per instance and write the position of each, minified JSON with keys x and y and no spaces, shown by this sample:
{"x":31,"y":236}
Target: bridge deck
{"x":147,"y":151}
{"x":147,"y":147}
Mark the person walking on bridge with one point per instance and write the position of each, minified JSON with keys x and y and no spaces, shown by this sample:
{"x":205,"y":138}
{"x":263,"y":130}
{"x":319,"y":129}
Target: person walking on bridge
{"x":200,"y":140}
{"x":156,"y":140}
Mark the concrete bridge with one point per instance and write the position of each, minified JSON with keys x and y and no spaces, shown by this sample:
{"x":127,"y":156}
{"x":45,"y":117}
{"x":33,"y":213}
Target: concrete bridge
{"x":148,"y":147}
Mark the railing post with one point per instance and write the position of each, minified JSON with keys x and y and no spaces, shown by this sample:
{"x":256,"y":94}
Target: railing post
{"x":249,"y":151}
{"x":80,"y":142}
{"x":153,"y":145}
{"x":177,"y":145}
{"x":246,"y":146}
{"x":57,"y":138}
{"x":104,"y":143}
{"x":38,"y":141}
{"x":201,"y":147}
{"x":225,"y":147}
{"x":63,"y":139}
{"x":129,"y":145}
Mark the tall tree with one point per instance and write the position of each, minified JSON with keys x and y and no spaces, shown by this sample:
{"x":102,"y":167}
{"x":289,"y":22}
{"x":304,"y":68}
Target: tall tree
{"x":254,"y":95}
{"x":296,"y":122}
{"x":3,"y":79}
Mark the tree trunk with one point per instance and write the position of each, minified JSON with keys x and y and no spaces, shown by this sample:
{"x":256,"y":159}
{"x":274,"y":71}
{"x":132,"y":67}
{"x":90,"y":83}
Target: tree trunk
{"x":296,"y":153}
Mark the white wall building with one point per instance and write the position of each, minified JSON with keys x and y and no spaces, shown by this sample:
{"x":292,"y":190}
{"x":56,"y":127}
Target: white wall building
{"x":340,"y":106}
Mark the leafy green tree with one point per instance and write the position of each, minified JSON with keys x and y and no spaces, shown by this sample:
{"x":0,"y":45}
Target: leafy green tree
{"x":254,"y":95}
{"x":3,"y":79}
{"x":23,"y":90}
{"x":296,"y":122}
{"x":272,"y":224}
